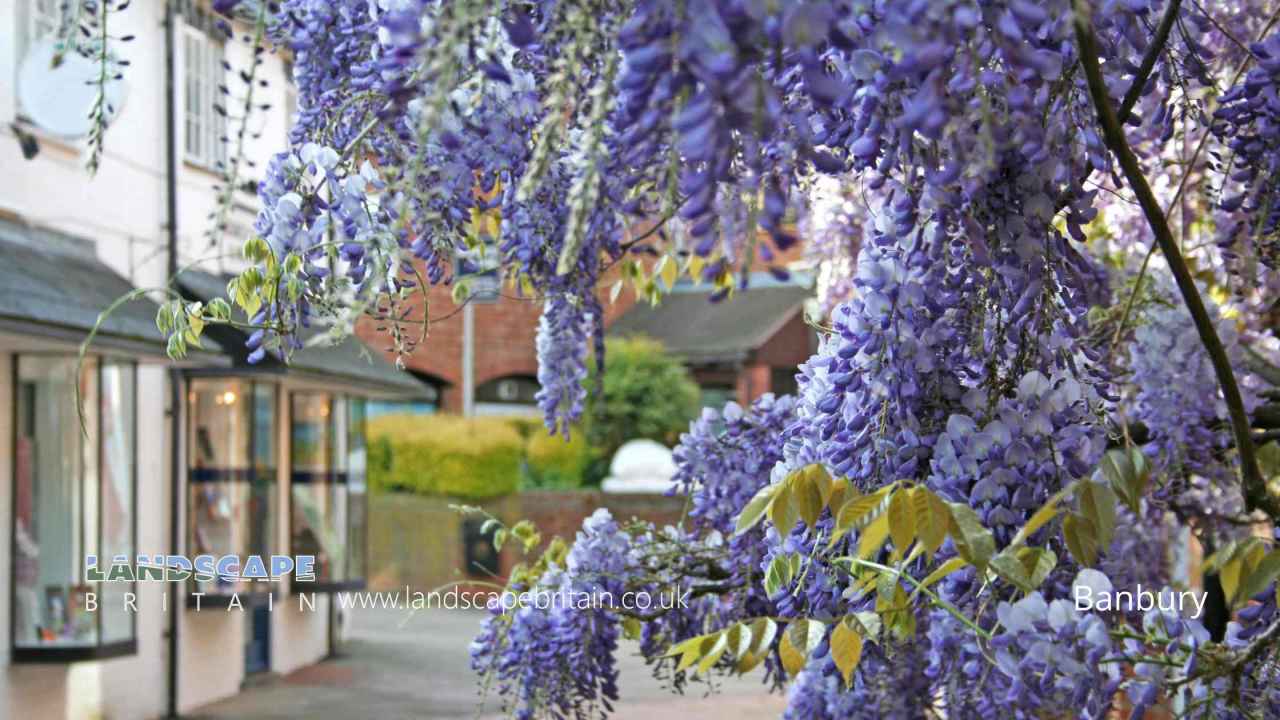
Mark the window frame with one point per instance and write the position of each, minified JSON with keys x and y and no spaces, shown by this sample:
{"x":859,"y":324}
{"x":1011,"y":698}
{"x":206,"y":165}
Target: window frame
{"x":60,"y":654}
{"x":332,"y":476}
{"x":209,"y":125}
{"x":253,"y":591}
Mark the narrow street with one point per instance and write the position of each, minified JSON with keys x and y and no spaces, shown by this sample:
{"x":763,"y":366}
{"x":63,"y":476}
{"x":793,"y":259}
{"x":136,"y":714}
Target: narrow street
{"x":398,"y":665}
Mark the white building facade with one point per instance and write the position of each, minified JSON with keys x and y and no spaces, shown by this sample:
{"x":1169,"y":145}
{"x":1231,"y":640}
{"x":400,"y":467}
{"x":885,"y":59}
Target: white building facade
{"x":210,"y":455}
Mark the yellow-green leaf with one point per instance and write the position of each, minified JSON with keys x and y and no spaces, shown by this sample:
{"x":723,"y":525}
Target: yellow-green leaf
{"x":943,"y":570}
{"x":873,"y":537}
{"x":782,"y":511}
{"x":738,"y":640}
{"x":902,"y":521}
{"x":712,"y":655}
{"x":755,"y":509}
{"x":932,"y":519}
{"x":857,"y":511}
{"x":1047,"y":512}
{"x":821,"y":479}
{"x":1098,"y":503}
{"x":807,"y":497}
{"x":669,"y":271}
{"x":846,"y":648}
{"x":798,"y":642}
{"x":1229,"y":575}
{"x":840,"y":494}
{"x":763,"y":630}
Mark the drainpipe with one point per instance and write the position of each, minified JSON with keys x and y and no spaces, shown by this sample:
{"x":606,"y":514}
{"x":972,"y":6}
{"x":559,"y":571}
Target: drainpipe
{"x":175,"y":377}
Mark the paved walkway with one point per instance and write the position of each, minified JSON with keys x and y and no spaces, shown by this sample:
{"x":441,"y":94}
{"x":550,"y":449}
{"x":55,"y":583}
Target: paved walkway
{"x":402,"y":666}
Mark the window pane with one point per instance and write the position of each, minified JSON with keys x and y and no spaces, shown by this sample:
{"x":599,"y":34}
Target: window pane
{"x":221,"y":413}
{"x":311,"y":452}
{"x":262,"y":490}
{"x":118,"y":487}
{"x":50,"y":511}
{"x":356,"y":488}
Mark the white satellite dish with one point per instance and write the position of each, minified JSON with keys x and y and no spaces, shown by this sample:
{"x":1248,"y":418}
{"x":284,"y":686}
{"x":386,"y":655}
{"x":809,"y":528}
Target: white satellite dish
{"x":58,"y":99}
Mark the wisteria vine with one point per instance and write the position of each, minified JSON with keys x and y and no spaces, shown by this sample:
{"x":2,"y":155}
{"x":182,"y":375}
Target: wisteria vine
{"x":1020,"y":393}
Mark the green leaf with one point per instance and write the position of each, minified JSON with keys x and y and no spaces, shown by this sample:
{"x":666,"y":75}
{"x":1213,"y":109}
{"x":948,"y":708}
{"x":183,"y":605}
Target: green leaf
{"x":499,"y":538}
{"x":1011,"y":569}
{"x":779,"y":574}
{"x":1081,"y":538}
{"x":798,"y":643}
{"x":1039,"y":562}
{"x":973,"y":541}
{"x":1098,"y":503}
{"x":846,"y":648}
{"x":902,"y":520}
{"x":219,"y":309}
{"x":755,"y":509}
{"x":1269,"y":460}
{"x":1259,"y":577}
{"x":1127,"y":472}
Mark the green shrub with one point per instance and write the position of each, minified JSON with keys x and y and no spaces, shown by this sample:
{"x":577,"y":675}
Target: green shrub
{"x":553,"y":463}
{"x":470,"y":459}
{"x":647,"y":393}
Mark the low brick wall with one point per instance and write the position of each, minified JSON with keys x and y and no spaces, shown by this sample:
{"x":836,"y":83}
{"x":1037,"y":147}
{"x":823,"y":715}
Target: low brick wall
{"x":562,"y":513}
{"x":417,"y":541}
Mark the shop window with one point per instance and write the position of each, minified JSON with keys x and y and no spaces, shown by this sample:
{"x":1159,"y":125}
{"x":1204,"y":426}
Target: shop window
{"x":75,"y":494}
{"x":329,"y":488}
{"x":231,"y":475}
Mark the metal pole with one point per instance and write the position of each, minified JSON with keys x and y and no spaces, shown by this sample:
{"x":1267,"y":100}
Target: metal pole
{"x":468,"y":359}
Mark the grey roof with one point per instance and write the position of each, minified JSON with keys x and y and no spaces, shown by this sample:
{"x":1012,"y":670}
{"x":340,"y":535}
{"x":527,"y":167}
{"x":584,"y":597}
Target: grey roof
{"x":53,"y":284}
{"x":689,"y":325}
{"x":350,"y":361}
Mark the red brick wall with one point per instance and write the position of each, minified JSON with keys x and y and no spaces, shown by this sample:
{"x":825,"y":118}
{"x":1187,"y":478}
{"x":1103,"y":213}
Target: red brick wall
{"x":505,"y":331}
{"x":562,"y":513}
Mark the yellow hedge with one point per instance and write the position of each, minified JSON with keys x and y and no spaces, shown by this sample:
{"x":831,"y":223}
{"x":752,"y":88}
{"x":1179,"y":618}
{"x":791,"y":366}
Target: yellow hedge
{"x":470,"y":459}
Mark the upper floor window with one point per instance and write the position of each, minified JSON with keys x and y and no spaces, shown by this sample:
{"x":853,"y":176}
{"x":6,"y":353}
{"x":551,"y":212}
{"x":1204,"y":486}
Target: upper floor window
{"x":43,"y":19}
{"x":203,"y":78}
{"x":37,"y":20}
{"x":75,"y":495}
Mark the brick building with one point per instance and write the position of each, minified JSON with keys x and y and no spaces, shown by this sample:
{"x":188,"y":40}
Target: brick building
{"x":737,"y":349}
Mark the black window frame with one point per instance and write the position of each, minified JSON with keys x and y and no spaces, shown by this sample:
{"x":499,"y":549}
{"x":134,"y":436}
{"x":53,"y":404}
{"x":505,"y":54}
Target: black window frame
{"x":99,"y":650}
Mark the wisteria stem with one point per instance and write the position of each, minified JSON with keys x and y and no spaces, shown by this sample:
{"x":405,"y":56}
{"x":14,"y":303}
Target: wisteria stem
{"x":1256,"y":494}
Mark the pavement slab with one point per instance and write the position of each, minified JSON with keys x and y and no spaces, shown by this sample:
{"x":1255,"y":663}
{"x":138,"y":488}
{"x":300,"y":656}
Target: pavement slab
{"x":402,"y":665}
